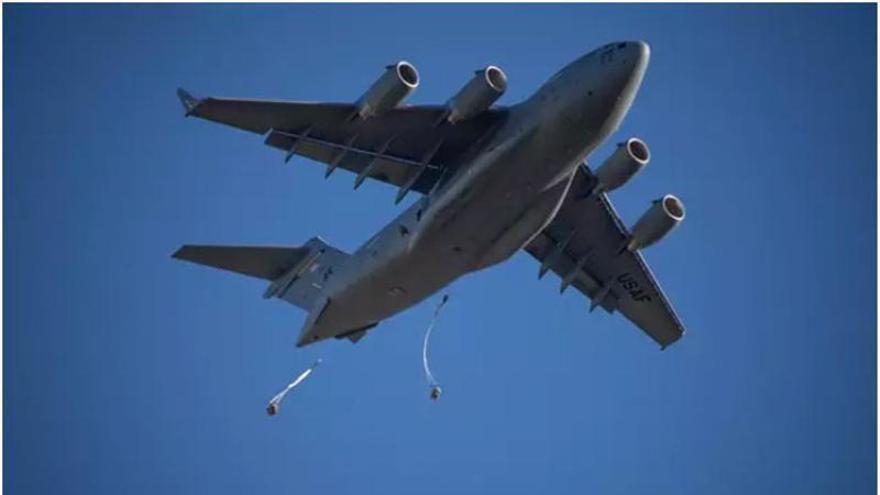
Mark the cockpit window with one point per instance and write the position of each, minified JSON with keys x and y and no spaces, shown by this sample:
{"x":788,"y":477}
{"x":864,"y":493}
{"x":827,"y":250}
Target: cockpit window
{"x":607,"y":54}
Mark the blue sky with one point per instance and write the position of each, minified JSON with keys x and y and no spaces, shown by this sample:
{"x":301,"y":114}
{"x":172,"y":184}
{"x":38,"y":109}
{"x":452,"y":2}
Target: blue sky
{"x":125,"y":371}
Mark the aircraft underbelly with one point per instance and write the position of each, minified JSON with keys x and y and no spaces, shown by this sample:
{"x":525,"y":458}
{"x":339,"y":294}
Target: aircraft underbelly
{"x":482,"y":221}
{"x":398,"y":270}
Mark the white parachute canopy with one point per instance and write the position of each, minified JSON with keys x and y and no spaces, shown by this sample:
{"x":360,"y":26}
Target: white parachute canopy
{"x":435,"y":387}
{"x":275,"y":403}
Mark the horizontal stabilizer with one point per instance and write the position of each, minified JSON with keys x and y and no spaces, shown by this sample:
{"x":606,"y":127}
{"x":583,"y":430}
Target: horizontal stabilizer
{"x":267,"y":263}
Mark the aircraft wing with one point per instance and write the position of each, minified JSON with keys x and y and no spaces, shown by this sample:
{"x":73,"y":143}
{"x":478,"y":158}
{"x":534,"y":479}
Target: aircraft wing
{"x":405,"y":146}
{"x":583,"y":246}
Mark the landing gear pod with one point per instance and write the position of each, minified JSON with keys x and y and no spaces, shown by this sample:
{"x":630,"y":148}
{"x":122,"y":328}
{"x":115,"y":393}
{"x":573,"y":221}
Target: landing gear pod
{"x":435,"y":392}
{"x":398,"y":81}
{"x":477,"y":95}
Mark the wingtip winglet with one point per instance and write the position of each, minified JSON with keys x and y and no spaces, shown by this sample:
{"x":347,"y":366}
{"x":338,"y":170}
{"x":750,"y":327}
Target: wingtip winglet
{"x":188,"y":101}
{"x":178,"y":254}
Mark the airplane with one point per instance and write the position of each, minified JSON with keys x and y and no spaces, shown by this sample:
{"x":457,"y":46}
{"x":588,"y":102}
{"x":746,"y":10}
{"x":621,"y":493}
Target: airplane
{"x":493,"y":181}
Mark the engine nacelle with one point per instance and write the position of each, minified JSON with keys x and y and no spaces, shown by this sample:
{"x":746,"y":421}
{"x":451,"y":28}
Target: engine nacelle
{"x":398,"y":81}
{"x":659,"y":220}
{"x":477,"y":95}
{"x":628,"y":159}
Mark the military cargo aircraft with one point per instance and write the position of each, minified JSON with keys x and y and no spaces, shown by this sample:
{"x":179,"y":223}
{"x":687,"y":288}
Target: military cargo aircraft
{"x":492,"y":180}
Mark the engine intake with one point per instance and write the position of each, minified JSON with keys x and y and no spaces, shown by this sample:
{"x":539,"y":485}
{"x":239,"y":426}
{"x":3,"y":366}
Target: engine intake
{"x":657,"y":222}
{"x":477,"y":95}
{"x":628,"y":159}
{"x":398,"y":81}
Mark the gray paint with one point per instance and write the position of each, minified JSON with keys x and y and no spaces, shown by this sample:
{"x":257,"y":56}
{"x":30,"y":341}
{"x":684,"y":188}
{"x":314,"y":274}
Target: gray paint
{"x":492,"y":185}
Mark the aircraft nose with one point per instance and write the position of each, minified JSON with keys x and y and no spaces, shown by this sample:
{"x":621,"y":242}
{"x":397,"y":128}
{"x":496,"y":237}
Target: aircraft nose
{"x":623,"y":66}
{"x":642,"y":55}
{"x":639,"y":53}
{"x":636,"y":57}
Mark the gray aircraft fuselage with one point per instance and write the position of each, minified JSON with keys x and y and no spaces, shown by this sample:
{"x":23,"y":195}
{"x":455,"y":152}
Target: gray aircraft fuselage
{"x":510,"y":190}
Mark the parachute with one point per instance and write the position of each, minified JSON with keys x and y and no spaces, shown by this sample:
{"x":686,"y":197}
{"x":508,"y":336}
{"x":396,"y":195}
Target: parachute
{"x":432,"y":382}
{"x":275,"y":404}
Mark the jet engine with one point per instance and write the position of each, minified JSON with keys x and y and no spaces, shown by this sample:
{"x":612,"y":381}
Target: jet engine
{"x":663,"y":215}
{"x":398,"y":81}
{"x":627,"y":160}
{"x":477,"y":95}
